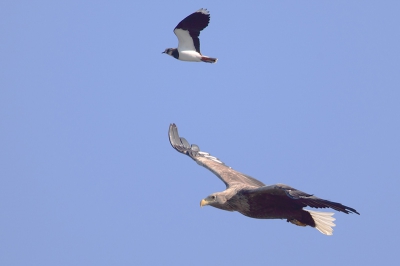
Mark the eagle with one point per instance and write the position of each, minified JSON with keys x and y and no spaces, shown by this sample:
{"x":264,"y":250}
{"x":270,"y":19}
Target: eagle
{"x":253,"y":198}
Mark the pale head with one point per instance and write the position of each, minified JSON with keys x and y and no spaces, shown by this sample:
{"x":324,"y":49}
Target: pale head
{"x":217,"y":200}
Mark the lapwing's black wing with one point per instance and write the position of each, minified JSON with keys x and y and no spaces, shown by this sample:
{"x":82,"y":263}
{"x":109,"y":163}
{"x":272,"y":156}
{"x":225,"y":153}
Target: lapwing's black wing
{"x":188,"y":30}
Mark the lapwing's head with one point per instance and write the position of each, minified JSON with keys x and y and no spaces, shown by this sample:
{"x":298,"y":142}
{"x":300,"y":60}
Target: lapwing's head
{"x":168,"y":51}
{"x":172,"y":52}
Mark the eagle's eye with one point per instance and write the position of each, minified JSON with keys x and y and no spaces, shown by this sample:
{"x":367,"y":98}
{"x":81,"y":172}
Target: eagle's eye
{"x":213,"y":197}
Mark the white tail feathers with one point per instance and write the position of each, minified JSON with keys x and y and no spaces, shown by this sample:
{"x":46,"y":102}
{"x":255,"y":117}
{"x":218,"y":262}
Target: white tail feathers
{"x":323,"y":221}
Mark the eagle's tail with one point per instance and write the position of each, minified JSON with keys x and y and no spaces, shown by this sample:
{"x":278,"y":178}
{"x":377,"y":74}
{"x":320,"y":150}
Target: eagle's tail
{"x":323,"y":221}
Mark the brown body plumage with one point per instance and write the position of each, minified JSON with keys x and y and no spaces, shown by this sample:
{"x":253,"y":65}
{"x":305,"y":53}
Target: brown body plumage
{"x":253,"y":198}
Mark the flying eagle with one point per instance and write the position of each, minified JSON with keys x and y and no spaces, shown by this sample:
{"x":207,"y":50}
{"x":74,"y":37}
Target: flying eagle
{"x":188,"y":32}
{"x":253,"y":198}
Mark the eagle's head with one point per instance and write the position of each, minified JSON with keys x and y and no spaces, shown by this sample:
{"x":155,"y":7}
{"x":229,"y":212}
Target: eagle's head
{"x":217,"y":200}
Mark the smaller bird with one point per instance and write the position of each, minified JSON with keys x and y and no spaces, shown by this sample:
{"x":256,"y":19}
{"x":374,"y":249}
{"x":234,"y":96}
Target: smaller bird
{"x":188,"y":31}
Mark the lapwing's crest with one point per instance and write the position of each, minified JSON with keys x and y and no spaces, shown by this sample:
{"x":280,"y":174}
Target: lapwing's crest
{"x":188,"y":31}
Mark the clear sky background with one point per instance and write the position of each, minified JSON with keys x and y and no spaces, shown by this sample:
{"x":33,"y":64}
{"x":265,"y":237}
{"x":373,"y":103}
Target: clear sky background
{"x":305,"y":93}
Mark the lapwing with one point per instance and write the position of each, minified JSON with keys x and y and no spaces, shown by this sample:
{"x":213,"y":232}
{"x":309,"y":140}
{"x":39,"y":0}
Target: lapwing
{"x":188,"y":31}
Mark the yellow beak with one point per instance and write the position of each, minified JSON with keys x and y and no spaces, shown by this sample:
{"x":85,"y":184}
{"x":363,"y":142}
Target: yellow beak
{"x":203,"y":202}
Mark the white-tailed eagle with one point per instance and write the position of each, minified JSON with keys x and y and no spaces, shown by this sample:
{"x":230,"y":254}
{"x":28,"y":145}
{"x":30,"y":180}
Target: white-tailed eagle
{"x":253,"y":198}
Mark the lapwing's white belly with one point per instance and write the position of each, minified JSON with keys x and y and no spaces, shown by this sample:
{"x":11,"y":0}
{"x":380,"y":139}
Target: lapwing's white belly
{"x":189,"y":56}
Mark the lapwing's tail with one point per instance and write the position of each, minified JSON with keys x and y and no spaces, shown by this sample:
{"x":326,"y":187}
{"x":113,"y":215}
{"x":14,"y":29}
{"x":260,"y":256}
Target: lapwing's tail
{"x":209,"y":59}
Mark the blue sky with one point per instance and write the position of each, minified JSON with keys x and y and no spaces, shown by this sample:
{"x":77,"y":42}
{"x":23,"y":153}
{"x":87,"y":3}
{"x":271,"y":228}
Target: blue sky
{"x":305,"y":93}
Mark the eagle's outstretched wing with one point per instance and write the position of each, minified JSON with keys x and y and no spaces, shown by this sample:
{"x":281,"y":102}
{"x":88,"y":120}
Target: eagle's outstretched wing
{"x":297,"y":198}
{"x":225,"y":173}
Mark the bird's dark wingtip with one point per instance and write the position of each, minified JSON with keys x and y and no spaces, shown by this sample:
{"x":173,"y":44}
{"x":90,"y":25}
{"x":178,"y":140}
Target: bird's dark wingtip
{"x":345,"y":209}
